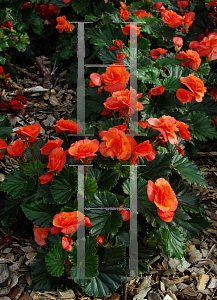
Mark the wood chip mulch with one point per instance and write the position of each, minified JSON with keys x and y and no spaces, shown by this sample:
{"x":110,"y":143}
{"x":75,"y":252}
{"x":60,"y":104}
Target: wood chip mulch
{"x":50,"y":99}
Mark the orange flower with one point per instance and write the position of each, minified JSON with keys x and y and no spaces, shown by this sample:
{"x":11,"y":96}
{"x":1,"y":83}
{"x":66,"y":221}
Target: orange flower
{"x":126,"y":214}
{"x":50,"y":145}
{"x":57,"y":159}
{"x":40,"y":234}
{"x":157,"y":90}
{"x":84,"y":149}
{"x":183,"y":130}
{"x":68,"y":222}
{"x":187,"y":20}
{"x":67,"y":243}
{"x":130,"y":27}
{"x":191,"y":58}
{"x":171,"y":18}
{"x":195,"y":85}
{"x":183,"y":4}
{"x":178,"y":41}
{"x":155,"y":53}
{"x":64,"y":25}
{"x":180,"y":150}
{"x":116,"y":143}
{"x":213,"y":93}
{"x":141,"y":13}
{"x":184,"y":96}
{"x":163,"y":197}
{"x":3,"y":147}
{"x":167,"y":127}
{"x":159,"y":6}
{"x":100,"y":240}
{"x":166,"y":216}
{"x":124,"y":101}
{"x":116,"y":74}
{"x":125,"y":14}
{"x":46,"y":177}
{"x":16,"y":149}
{"x":67,"y":126}
{"x":30,"y":131}
{"x":145,"y":150}
{"x":208,"y":46}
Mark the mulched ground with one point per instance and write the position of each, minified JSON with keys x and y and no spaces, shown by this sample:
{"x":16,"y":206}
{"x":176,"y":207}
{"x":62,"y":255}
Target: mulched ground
{"x":50,"y":99}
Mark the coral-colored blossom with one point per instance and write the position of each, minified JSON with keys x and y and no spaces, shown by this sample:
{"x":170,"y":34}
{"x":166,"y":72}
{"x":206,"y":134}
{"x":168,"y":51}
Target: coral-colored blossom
{"x":195,"y":85}
{"x":120,"y":57}
{"x":131,"y":28}
{"x":191,"y":59}
{"x":123,"y":11}
{"x":64,"y":25}
{"x":163,"y":197}
{"x":155,"y":53}
{"x":187,"y":21}
{"x":184,"y":96}
{"x":116,"y":143}
{"x":145,"y":150}
{"x":67,"y":243}
{"x":183,"y":130}
{"x":116,"y":74}
{"x":3,"y":147}
{"x":171,"y":18}
{"x":178,"y":42}
{"x":159,"y":6}
{"x":57,"y":159}
{"x":183,"y":4}
{"x":213,"y":93}
{"x":68,"y":222}
{"x":180,"y":150}
{"x":16,"y":149}
{"x":124,"y":101}
{"x":67,"y":126}
{"x":141,"y":13}
{"x":50,"y":145}
{"x":46,"y":177}
{"x":208,"y":46}
{"x":126,"y":214}
{"x":84,"y":149}
{"x":30,"y":131}
{"x":40,"y":234}
{"x":167,"y":127}
{"x":100,"y":240}
{"x":157,"y":90}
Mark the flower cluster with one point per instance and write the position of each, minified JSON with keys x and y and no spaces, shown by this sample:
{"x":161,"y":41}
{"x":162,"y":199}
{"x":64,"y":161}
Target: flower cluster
{"x":17,"y":103}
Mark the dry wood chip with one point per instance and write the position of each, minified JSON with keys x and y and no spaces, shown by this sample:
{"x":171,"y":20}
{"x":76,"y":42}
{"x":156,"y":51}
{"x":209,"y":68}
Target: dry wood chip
{"x":203,"y":279}
{"x":143,"y":289}
{"x":115,"y":296}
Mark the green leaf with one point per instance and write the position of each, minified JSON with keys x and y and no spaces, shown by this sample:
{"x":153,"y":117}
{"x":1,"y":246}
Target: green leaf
{"x":5,"y":126}
{"x":78,"y":6}
{"x":208,"y":106}
{"x":37,"y":152}
{"x":157,"y":168}
{"x":55,"y":259}
{"x":106,"y":162}
{"x":116,"y":18}
{"x":105,"y":125}
{"x":149,"y":75}
{"x":186,"y":197}
{"x":172,"y":84}
{"x":203,"y":126}
{"x":3,"y":43}
{"x":144,"y":61}
{"x":39,"y":213}
{"x":166,"y":102}
{"x":17,"y":184}
{"x":105,"y":178}
{"x":33,"y":168}
{"x":59,"y":3}
{"x":104,"y":222}
{"x":144,"y":45}
{"x":148,"y":108}
{"x":89,"y":263}
{"x":64,"y":184}
{"x":107,"y":57}
{"x":188,"y":170}
{"x":178,"y":71}
{"x":203,"y":69}
{"x":104,"y":36}
{"x":90,"y":187}
{"x":37,"y":25}
{"x":167,"y":59}
{"x":44,"y":191}
{"x":193,"y":227}
{"x":111,"y":272}
{"x":41,"y":278}
{"x":175,"y":242}
{"x":2,"y":60}
{"x":8,"y":209}
{"x":95,"y":101}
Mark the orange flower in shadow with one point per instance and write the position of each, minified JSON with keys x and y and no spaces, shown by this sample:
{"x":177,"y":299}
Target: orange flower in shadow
{"x":16,"y":149}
